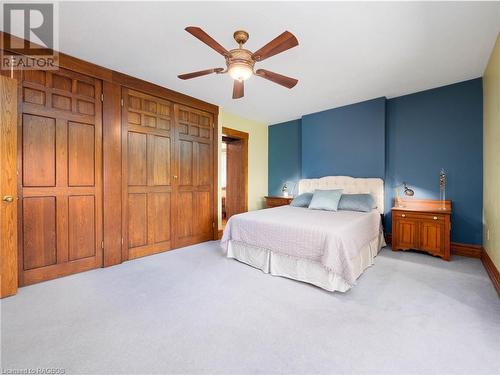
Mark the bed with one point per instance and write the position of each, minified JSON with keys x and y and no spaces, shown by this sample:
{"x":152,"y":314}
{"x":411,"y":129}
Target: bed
{"x":324,"y":248}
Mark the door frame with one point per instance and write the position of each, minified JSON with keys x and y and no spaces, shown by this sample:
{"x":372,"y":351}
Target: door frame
{"x":242,"y":136}
{"x":8,"y":186}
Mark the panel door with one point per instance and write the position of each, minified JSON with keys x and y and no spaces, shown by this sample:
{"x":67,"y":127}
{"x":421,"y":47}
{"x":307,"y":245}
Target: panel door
{"x":406,"y":234}
{"x":147,"y":183}
{"x":194,"y":178}
{"x":432,"y":236}
{"x":235,"y":186}
{"x":60,"y":143}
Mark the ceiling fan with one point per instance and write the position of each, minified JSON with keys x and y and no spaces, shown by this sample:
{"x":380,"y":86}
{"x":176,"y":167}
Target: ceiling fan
{"x":240,"y":62}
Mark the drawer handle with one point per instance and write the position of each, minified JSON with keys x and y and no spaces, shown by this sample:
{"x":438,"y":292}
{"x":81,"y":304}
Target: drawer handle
{"x":403,"y":215}
{"x":435,"y":217}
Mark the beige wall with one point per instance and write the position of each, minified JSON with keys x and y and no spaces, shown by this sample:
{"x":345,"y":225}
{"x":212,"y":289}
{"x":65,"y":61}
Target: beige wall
{"x":257,"y":157}
{"x":491,"y":156}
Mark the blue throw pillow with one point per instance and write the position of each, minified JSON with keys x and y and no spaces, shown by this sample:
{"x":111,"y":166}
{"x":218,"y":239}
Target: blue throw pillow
{"x":302,"y":200}
{"x":357,"y":202}
{"x":326,"y":200}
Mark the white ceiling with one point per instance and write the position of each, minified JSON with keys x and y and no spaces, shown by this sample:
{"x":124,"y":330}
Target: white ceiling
{"x":348,"y":52}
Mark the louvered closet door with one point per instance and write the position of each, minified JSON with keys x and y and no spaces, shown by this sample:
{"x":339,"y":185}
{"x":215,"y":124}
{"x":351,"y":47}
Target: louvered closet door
{"x":194,"y":178}
{"x":147,"y":152}
{"x":61,"y":175}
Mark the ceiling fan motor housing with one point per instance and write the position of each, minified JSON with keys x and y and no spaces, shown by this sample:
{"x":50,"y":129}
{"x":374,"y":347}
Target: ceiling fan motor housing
{"x":240,"y":56}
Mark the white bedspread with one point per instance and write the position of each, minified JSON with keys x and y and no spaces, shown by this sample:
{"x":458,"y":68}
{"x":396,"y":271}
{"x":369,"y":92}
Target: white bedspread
{"x":330,"y":238}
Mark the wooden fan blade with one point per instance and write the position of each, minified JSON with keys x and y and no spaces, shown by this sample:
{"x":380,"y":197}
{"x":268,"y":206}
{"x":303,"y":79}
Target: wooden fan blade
{"x":279,"y":44}
{"x":277,"y":78}
{"x":200,"y":73}
{"x":238,"y":89}
{"x":207,"y":39}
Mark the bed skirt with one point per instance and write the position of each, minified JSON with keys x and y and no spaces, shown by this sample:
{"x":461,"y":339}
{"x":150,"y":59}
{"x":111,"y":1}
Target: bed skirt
{"x":303,"y":269}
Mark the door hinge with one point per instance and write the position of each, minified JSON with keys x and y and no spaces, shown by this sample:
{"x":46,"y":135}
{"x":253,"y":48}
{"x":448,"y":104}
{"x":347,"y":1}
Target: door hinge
{"x":102,"y":97}
{"x":102,"y":245}
{"x":213,"y":224}
{"x":122,"y":240}
{"x":121,"y":102}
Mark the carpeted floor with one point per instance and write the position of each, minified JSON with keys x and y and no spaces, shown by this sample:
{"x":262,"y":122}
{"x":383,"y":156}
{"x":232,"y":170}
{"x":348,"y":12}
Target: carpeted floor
{"x":193,"y":311}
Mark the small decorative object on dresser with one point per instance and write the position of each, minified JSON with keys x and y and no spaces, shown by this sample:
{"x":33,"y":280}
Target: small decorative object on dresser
{"x":422,"y":224}
{"x":284,"y":190}
{"x":442,"y":188}
{"x":277,"y":201}
{"x":406,"y":190}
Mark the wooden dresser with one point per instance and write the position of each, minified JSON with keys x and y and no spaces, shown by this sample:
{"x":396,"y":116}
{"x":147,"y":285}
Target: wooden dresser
{"x":278,"y":201}
{"x":422,"y":225}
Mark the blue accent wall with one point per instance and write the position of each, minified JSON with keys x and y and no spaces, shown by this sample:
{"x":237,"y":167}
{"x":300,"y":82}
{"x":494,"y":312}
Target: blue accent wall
{"x":345,"y":141}
{"x":434,"y":129}
{"x":408,"y":138}
{"x":284,"y":155}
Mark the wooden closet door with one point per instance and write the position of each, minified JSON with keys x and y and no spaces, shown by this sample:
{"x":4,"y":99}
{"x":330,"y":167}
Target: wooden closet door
{"x":147,"y":184}
{"x":194,"y":178}
{"x":60,"y":147}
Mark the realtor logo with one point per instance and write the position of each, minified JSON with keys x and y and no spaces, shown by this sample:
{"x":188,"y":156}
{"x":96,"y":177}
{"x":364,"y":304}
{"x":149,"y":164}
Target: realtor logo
{"x":30,"y":42}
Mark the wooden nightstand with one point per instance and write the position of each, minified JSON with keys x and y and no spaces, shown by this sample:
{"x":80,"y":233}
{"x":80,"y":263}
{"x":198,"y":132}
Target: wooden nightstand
{"x":278,"y":201}
{"x":422,"y":225}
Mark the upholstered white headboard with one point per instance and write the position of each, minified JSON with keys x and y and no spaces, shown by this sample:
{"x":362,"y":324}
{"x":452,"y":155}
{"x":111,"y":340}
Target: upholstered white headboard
{"x":351,"y":185}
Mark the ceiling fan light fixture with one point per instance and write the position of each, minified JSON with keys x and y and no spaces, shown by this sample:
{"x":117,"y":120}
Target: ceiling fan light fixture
{"x":240,"y":71}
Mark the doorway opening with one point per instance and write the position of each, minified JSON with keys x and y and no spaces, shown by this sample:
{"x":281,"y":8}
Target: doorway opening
{"x":234,"y":170}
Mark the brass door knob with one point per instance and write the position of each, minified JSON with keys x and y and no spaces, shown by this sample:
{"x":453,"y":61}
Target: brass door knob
{"x":435,"y":218}
{"x":175,"y":177}
{"x":403,"y":215}
{"x":8,"y":198}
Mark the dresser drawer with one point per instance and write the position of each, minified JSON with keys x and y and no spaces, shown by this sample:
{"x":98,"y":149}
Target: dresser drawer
{"x":277,"y":201}
{"x":419,"y":216}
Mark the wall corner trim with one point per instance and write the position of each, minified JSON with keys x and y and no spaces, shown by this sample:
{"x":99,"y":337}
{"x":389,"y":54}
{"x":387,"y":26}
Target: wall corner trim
{"x":466,"y":250}
{"x":491,"y":270}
